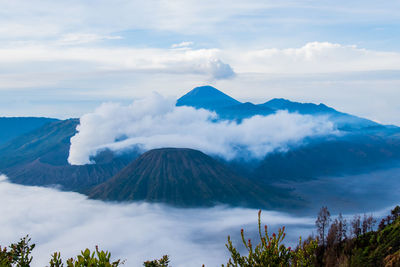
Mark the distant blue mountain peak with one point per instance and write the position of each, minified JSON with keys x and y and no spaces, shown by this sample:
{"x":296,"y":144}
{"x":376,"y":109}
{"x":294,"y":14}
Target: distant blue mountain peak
{"x":226,"y":107}
{"x":206,"y":97}
{"x":304,"y":108}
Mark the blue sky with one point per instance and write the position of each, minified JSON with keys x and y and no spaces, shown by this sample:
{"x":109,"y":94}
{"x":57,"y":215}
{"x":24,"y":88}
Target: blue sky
{"x":64,"y":58}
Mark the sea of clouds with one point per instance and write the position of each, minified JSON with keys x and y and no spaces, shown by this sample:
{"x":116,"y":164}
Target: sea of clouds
{"x":156,"y":122}
{"x":69,"y":222}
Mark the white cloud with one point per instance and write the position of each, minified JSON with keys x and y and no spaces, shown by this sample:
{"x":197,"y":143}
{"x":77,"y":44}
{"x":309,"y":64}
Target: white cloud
{"x":84,"y":38}
{"x":211,"y":64}
{"x":82,"y":60}
{"x":182,"y":45}
{"x":68,"y":222}
{"x":15,"y":30}
{"x":156,"y":122}
{"x":315,"y":57}
{"x":190,"y":17}
{"x":115,"y":16}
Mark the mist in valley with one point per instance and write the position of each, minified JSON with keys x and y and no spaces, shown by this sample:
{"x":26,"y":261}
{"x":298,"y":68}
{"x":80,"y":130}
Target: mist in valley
{"x":357,"y":193}
{"x":68,"y":222}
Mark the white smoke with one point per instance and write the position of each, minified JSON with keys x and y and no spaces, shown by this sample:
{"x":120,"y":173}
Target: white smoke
{"x":156,"y":122}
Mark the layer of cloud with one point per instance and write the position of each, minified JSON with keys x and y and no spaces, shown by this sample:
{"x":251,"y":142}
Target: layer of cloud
{"x":190,"y":17}
{"x":156,"y":122}
{"x":84,"y":38}
{"x":79,"y":60}
{"x":209,"y":64}
{"x":68,"y":222}
{"x":182,"y":45}
{"x":315,"y":57}
{"x":359,"y":193}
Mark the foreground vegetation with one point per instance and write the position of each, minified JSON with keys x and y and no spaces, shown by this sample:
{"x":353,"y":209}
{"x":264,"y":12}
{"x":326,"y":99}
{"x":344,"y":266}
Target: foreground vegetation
{"x":339,"y":243}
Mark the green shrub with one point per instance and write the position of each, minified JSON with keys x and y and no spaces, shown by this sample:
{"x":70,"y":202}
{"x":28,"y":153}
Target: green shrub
{"x":270,"y":252}
{"x":18,"y":254}
{"x":86,"y":259}
{"x":163,"y":262}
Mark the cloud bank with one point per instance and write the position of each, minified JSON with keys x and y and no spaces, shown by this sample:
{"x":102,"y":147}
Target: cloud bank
{"x":82,"y":38}
{"x":69,"y":222}
{"x":193,"y":17}
{"x":156,"y":122}
{"x":69,"y":53}
{"x":314,"y":57}
{"x":58,"y":58}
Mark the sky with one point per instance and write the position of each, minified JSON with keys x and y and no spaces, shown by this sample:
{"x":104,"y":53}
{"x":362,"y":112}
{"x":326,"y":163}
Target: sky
{"x":64,"y":58}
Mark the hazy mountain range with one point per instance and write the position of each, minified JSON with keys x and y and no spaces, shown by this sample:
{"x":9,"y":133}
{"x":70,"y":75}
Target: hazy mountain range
{"x":34,"y":151}
{"x":12,"y":127}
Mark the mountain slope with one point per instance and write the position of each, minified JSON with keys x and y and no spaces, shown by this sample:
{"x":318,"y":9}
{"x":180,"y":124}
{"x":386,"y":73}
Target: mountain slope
{"x":369,"y":249}
{"x":243,"y":111}
{"x":363,"y":145}
{"x":336,"y":156}
{"x":183,"y":177}
{"x":302,"y":108}
{"x":12,"y":127}
{"x":40,"y":158}
{"x":76,"y":178}
{"x":50,"y":142}
{"x":343,"y":121}
{"x":226,"y":107}
{"x":206,"y":97}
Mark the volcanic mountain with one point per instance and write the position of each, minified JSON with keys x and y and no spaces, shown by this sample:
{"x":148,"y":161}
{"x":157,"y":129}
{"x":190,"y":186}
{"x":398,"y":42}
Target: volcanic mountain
{"x":40,"y":158}
{"x":228,"y":108}
{"x":35,"y":151}
{"x":183,"y":177}
{"x":206,"y":97}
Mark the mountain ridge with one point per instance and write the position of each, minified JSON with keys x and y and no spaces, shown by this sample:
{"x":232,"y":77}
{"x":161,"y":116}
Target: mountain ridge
{"x":39,"y":157}
{"x":228,"y":108}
